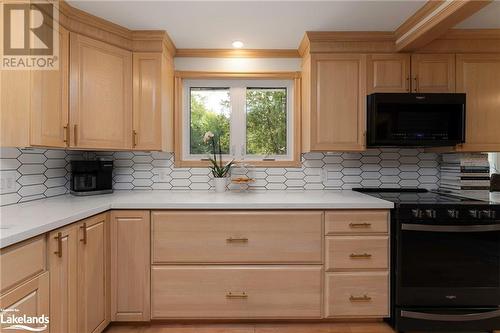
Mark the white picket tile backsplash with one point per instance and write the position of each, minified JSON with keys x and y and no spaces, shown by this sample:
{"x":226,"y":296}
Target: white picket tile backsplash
{"x":42,"y":173}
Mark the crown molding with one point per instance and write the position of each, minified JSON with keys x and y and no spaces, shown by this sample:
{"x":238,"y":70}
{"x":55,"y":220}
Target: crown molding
{"x":78,"y":21}
{"x":238,"y":53}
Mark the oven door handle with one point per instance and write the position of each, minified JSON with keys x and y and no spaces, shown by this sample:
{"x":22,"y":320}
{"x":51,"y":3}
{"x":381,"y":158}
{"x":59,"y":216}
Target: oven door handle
{"x":449,"y":317}
{"x":450,"y":228}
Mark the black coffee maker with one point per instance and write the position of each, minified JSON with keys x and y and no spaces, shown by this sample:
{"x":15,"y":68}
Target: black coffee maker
{"x":91,"y":177}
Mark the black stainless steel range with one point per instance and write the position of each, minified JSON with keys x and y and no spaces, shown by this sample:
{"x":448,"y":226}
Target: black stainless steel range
{"x":445,"y":265}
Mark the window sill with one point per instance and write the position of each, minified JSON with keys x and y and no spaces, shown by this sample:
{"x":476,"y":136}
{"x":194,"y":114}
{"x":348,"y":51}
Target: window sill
{"x":260,"y":164}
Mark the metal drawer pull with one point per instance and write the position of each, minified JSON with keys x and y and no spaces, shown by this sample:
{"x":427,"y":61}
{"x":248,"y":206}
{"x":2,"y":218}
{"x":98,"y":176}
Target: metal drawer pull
{"x":364,"y":298}
{"x":236,"y":295}
{"x":59,"y":244}
{"x":237,"y":240}
{"x":84,"y":228}
{"x":360,"y":256}
{"x":360,"y":225}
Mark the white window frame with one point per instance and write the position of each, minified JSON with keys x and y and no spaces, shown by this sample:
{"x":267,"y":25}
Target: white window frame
{"x":238,"y":130}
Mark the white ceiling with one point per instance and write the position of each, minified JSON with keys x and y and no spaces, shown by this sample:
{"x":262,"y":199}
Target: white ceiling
{"x":259,"y":24}
{"x":488,"y":17}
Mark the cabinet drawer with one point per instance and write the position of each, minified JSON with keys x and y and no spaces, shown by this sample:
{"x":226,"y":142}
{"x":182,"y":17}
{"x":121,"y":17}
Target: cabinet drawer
{"x":356,"y":222}
{"x":351,"y":252}
{"x":28,"y":258}
{"x":236,"y":292}
{"x":357,"y":294}
{"x":237,"y":237}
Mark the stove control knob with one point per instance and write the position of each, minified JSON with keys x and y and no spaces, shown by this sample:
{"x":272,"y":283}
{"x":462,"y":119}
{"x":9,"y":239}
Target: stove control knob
{"x":486,"y":214}
{"x":430,"y":213}
{"x":474,"y":213}
{"x":417,"y":213}
{"x":454,"y":213}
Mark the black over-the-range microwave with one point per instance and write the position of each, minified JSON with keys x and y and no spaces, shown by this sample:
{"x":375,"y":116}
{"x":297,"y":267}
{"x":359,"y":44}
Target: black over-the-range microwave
{"x":415,"y":120}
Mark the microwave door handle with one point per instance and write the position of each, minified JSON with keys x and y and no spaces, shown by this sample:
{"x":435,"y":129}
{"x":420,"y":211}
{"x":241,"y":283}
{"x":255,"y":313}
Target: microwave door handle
{"x":450,"y":228}
{"x":449,"y":317}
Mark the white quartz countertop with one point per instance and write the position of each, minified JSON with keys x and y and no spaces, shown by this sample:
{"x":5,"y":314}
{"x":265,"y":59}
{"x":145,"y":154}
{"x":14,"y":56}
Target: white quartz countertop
{"x":26,"y":220}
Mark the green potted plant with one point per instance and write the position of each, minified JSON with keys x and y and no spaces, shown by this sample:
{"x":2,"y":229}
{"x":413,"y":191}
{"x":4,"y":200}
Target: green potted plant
{"x":219,"y":170}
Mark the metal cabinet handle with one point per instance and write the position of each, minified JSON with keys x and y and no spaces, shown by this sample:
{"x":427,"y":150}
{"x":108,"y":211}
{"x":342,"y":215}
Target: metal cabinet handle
{"x":65,"y":134}
{"x":360,"y":256}
{"x":59,"y":244}
{"x":232,"y":295}
{"x":450,"y":317}
{"x":237,"y":240}
{"x":364,"y":298}
{"x":408,"y":84}
{"x":75,"y":134}
{"x":84,"y":228}
{"x":134,"y":138}
{"x":416,"y":83}
{"x":360,"y":225}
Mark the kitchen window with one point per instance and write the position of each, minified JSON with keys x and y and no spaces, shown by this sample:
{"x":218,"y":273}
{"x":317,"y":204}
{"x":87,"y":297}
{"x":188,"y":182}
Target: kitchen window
{"x":254,"y":119}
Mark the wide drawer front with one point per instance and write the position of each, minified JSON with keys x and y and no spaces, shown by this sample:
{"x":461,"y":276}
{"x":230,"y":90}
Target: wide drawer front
{"x":352,"y":252}
{"x":236,"y":237}
{"x":356,"y":221}
{"x":357,"y":294}
{"x":28,"y":258}
{"x":236,"y":292}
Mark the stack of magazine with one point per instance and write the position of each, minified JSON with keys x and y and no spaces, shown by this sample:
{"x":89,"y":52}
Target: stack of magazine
{"x":465,"y":172}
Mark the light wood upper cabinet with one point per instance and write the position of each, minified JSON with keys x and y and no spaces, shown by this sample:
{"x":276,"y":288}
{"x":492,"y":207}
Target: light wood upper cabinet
{"x":49,"y":101}
{"x":30,"y":299}
{"x":335,"y":104}
{"x":433,"y":73}
{"x":153,"y":101}
{"x":388,"y":73}
{"x":15,"y":108}
{"x":93,"y":274}
{"x":130,"y":265}
{"x":100,"y":94}
{"x":478,"y":75}
{"x":62,"y":255}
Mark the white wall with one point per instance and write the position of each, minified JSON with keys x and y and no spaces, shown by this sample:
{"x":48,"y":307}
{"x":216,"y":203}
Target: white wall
{"x":238,"y":64}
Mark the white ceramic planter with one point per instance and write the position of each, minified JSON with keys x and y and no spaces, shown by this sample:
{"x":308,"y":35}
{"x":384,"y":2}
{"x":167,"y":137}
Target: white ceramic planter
{"x":220,"y":184}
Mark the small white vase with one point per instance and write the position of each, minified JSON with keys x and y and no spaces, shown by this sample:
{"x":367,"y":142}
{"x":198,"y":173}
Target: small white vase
{"x":220,"y":184}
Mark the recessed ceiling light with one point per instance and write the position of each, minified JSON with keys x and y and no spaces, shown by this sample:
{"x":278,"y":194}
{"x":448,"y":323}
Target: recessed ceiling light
{"x":237,"y":44}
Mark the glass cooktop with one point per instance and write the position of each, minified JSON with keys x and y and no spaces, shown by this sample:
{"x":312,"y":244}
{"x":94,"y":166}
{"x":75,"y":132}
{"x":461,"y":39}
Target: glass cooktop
{"x":415,"y":196}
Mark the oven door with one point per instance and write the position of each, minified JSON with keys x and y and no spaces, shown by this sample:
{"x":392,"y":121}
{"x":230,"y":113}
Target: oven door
{"x":448,"y":265}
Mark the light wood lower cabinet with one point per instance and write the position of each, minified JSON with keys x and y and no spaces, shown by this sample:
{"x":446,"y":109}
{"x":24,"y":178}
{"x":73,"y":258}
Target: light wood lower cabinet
{"x":130,"y":265}
{"x":356,"y":222}
{"x":357,"y":294}
{"x":63,"y":265}
{"x":357,"y":252}
{"x":236,"y":292}
{"x":237,"y":237}
{"x":28,"y":258}
{"x":30,"y":298}
{"x":93,"y":274}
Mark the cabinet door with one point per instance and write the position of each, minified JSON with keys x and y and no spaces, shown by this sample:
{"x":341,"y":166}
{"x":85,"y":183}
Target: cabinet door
{"x":14,"y":108}
{"x":100,"y":94}
{"x":30,"y":299}
{"x":63,"y":246}
{"x":433,"y":73}
{"x":130,"y":265}
{"x":338,"y":102}
{"x":93,"y":274}
{"x":147,"y":101}
{"x":388,"y":73}
{"x":478,"y":75}
{"x":49,"y":100}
